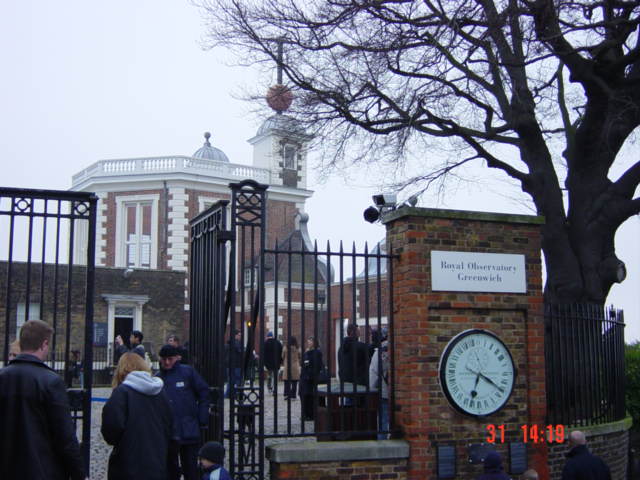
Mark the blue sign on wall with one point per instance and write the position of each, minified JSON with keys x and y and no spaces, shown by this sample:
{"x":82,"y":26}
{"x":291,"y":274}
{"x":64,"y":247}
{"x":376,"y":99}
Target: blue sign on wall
{"x":100,"y":332}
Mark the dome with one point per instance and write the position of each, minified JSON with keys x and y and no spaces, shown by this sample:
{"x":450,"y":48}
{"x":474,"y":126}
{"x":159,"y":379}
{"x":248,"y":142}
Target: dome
{"x":280,"y":122}
{"x":207,"y":152}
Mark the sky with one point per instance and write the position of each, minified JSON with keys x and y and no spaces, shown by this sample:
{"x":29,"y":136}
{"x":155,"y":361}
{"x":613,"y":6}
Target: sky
{"x":84,"y":81}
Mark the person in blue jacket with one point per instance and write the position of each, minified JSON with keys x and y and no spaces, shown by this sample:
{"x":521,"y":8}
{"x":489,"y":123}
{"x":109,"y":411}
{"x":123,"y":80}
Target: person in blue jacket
{"x":188,"y":395}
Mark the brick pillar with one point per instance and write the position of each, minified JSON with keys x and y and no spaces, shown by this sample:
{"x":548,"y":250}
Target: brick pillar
{"x":425,"y":321}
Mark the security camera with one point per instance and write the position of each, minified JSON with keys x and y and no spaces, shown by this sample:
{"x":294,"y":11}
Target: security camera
{"x":371,"y":214}
{"x":385,"y":200}
{"x":127,"y":273}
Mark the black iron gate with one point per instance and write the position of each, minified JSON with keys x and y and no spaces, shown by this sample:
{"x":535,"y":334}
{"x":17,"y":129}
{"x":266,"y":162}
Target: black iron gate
{"x":217,"y":299}
{"x":47,"y":266}
{"x":239,"y":288}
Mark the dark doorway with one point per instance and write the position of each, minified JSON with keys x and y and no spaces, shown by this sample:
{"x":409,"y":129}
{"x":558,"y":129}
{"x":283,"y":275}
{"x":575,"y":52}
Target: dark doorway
{"x":123,"y":327}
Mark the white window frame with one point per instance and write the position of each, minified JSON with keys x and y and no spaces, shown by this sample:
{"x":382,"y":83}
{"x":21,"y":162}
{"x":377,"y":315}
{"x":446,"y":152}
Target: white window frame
{"x":21,"y":310}
{"x":246,"y":275}
{"x":121,"y":245}
{"x":294,"y":156}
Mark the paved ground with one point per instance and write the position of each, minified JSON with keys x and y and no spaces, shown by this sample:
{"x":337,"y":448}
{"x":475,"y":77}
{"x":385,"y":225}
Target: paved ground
{"x":100,"y":450}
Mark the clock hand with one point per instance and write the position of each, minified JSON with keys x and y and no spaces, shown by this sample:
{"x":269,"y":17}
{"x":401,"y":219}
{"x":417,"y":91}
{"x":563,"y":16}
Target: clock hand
{"x":490,"y":381}
{"x":474,"y":392}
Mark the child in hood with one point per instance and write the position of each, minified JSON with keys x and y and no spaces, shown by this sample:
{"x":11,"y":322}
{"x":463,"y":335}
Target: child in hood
{"x":211,"y":458}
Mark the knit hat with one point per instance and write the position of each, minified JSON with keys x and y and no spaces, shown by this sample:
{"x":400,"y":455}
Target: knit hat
{"x":168,"y":351}
{"x":212,"y":451}
{"x":270,"y":334}
{"x":493,"y":461}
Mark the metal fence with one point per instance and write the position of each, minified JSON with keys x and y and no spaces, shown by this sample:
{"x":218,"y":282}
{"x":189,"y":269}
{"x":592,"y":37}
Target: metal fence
{"x":74,"y":369}
{"x":318,"y":294}
{"x":244,"y":284}
{"x":584,"y":355}
{"x":47,"y":257}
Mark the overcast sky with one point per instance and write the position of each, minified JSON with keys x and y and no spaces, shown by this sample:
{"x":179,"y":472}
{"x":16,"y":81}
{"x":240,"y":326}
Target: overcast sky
{"x":84,"y":81}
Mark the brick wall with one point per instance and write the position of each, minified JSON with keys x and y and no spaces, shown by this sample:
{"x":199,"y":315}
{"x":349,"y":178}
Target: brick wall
{"x":608,"y":441}
{"x":352,"y":460}
{"x":425,"y":321}
{"x":345,"y":470}
{"x":161,"y":315}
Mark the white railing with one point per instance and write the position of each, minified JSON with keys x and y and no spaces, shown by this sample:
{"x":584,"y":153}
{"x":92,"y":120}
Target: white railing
{"x":177,"y":164}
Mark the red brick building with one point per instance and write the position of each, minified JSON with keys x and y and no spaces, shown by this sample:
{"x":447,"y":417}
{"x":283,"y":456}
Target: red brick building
{"x":145,"y":205}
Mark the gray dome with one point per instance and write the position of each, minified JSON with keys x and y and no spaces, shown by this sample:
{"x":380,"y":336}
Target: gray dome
{"x":207,"y":152}
{"x":282,"y":123}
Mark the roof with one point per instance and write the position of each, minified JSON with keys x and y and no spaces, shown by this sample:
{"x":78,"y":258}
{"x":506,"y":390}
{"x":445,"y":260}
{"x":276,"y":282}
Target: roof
{"x":207,"y":152}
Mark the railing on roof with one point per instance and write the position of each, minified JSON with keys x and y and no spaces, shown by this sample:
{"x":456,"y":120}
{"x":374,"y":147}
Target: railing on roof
{"x":147,"y":165}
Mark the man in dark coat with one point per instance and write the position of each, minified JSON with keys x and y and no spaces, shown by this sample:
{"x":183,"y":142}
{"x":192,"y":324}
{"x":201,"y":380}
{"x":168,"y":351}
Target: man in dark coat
{"x":188,"y":395}
{"x":119,"y":350}
{"x":234,"y":357}
{"x":272,"y":354}
{"x":136,"y":343}
{"x":183,"y":353}
{"x":493,"y":469}
{"x":353,"y":358}
{"x":37,"y":438}
{"x":581,"y":463}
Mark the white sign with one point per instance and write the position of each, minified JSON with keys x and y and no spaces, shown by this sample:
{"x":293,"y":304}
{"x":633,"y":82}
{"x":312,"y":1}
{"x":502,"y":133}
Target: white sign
{"x":477,"y":272}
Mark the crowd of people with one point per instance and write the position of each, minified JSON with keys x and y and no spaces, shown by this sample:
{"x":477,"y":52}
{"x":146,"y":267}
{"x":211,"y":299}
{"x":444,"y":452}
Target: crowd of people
{"x":154,"y":422}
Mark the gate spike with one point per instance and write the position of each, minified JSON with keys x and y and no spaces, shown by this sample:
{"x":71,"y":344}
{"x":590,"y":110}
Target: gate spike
{"x":341,"y":249}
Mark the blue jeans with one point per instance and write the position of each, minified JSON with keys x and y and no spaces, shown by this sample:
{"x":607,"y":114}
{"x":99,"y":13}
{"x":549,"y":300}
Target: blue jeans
{"x":383,"y":418}
{"x":236,"y":376}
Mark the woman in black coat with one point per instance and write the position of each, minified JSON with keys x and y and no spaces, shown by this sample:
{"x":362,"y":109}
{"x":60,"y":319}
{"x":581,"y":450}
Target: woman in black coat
{"x":138,"y":422}
{"x":311,"y":366}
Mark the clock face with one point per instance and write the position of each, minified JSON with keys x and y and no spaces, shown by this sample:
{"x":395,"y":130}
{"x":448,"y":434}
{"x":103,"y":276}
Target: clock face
{"x":477,"y":373}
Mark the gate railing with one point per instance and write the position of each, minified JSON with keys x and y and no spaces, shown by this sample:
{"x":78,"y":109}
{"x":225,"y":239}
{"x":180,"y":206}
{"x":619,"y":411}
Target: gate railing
{"x":240,"y":289}
{"x":312,"y":298}
{"x":584,"y":356}
{"x":47,"y":272}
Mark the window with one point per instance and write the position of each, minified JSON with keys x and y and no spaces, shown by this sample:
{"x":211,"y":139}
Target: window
{"x":34,"y":314}
{"x":247,"y":276}
{"x":137,"y":231}
{"x":138,"y":234}
{"x":289,"y":157}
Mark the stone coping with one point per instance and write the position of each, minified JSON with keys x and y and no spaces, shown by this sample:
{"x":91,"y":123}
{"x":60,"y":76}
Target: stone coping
{"x":337,"y":451}
{"x":603,"y":428}
{"x":461,"y":215}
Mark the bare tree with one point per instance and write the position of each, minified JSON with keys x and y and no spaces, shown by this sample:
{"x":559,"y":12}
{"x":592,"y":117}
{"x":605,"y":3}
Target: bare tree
{"x":505,"y":82}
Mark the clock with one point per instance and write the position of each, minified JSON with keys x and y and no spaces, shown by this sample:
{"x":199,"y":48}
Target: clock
{"x":477,"y":373}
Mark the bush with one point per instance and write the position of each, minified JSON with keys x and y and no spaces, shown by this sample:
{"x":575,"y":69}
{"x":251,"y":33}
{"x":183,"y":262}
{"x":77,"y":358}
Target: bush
{"x":632,"y":381}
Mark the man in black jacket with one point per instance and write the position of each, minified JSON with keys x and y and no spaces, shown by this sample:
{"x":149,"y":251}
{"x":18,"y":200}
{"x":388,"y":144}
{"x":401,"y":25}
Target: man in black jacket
{"x":272,"y":355}
{"x":136,"y":343}
{"x":581,"y":463}
{"x":353,"y":358}
{"x":37,"y":438}
{"x":234,"y":357}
